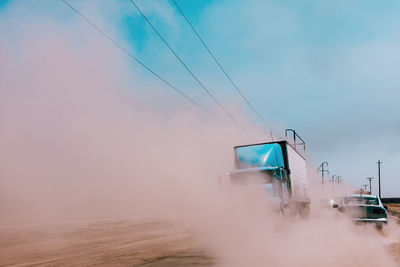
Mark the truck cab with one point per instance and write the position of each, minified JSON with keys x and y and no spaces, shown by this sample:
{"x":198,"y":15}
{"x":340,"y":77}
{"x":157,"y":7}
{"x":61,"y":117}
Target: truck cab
{"x":279,"y":168}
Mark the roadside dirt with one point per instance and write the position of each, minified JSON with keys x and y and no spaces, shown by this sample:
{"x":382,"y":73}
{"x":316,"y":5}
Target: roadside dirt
{"x":394,"y":210}
{"x":394,"y":248}
{"x":111,"y":242}
{"x":102,"y":242}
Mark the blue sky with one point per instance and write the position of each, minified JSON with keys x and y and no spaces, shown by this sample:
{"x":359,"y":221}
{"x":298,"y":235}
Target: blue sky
{"x":325,"y":68}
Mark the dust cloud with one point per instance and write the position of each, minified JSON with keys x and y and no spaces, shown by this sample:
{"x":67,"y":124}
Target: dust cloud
{"x":78,"y":141}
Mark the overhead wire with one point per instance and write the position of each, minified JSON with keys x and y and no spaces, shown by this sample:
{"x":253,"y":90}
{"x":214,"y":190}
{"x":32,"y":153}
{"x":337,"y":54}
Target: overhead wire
{"x":126,"y":51}
{"x":186,"y":67}
{"x":268,"y":126}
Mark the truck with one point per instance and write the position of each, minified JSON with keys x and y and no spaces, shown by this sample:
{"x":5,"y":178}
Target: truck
{"x":280,"y":168}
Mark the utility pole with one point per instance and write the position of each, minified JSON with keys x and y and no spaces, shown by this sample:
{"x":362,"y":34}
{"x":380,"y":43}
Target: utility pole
{"x":370,"y":188}
{"x":339,"y":179}
{"x":365,"y":187}
{"x":333,"y":184}
{"x":322,"y":170}
{"x":295,"y":136}
{"x":379,"y":177}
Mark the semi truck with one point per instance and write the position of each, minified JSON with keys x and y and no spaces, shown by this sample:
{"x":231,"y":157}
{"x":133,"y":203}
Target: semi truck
{"x":280,"y":168}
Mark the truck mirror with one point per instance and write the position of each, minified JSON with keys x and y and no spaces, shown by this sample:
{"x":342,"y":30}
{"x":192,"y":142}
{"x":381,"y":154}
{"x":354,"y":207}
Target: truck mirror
{"x":386,"y":207}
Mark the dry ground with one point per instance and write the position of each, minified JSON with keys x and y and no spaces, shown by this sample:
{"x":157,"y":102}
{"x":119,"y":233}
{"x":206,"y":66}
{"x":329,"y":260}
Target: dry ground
{"x":394,"y":211}
{"x":111,"y":242}
{"x":102,"y":242}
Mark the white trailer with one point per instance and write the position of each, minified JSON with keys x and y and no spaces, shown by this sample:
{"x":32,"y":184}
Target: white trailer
{"x":298,"y":175}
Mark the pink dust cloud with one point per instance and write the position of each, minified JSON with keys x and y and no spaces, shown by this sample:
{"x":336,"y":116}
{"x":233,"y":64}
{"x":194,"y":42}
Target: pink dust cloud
{"x":77,"y":142}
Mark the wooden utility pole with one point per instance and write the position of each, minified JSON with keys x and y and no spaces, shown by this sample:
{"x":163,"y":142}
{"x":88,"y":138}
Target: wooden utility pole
{"x":379,"y":177}
{"x":370,"y":187}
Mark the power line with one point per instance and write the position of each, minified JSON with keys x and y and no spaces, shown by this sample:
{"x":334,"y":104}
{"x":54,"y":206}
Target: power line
{"x":184,"y":65}
{"x":126,"y":51}
{"x":223,"y":70}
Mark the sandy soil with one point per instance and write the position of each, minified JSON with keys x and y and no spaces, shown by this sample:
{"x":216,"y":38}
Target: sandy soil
{"x":111,"y":242}
{"x":395,"y":209}
{"x":394,"y":248}
{"x":101,"y":242}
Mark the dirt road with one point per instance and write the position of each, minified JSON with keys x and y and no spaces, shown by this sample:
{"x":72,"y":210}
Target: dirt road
{"x":394,"y":209}
{"x":111,"y":242}
{"x":105,"y":242}
{"x":394,"y":248}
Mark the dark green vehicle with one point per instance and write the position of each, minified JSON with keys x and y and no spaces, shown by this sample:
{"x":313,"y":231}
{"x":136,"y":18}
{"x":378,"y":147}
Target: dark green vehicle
{"x":364,"y":209}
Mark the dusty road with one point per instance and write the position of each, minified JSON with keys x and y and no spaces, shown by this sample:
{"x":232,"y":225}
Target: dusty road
{"x":394,"y":209}
{"x":111,"y":242}
{"x":394,"y":248}
{"x":103,"y":242}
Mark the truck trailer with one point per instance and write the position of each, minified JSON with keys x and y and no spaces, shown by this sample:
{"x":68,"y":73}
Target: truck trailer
{"x":278,"y":166}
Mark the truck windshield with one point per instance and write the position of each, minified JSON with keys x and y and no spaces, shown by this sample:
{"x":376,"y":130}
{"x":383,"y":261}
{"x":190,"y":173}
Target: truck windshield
{"x":361,"y":200}
{"x":259,"y":155}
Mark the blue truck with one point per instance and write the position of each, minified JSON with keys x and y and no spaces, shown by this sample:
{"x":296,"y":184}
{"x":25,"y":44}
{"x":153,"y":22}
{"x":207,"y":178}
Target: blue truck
{"x":280,"y":168}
